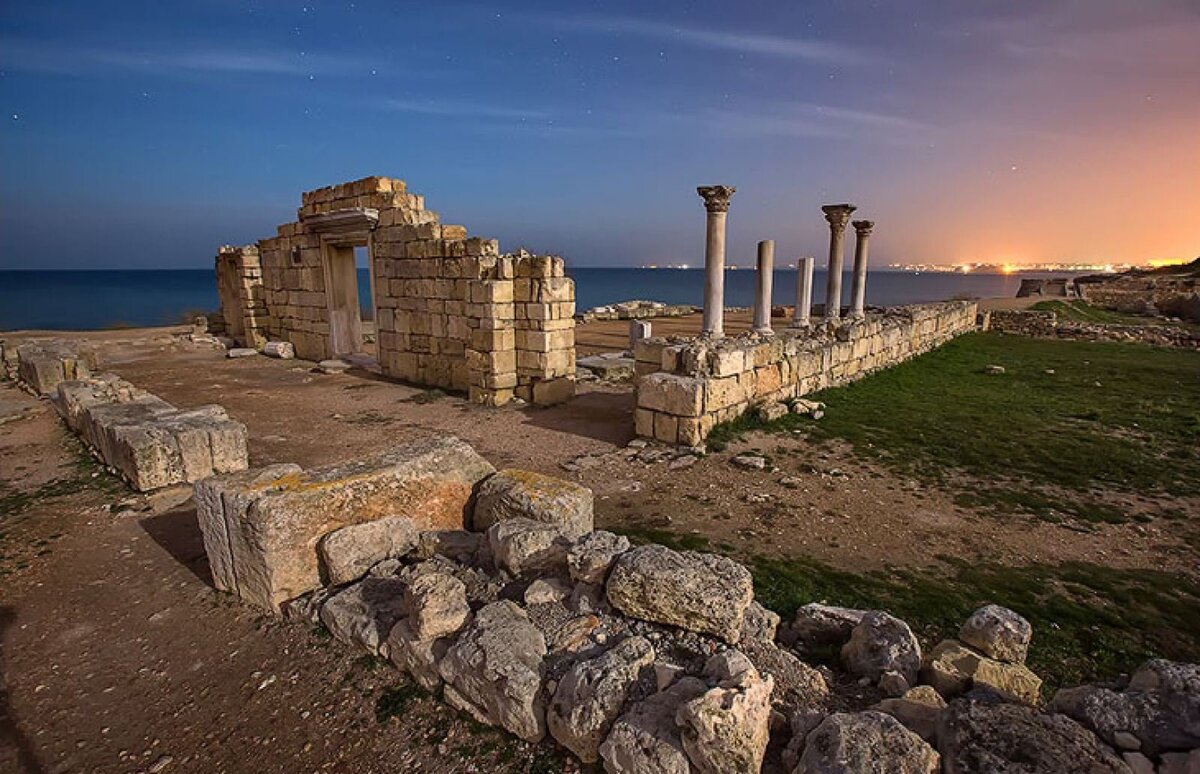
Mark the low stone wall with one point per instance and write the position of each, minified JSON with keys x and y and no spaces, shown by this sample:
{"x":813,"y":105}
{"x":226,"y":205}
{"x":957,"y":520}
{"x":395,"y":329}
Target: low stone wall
{"x":146,"y":440}
{"x":40,"y":366}
{"x":635,"y":310}
{"x":685,"y":387}
{"x":1047,"y":325}
{"x":648,"y":659}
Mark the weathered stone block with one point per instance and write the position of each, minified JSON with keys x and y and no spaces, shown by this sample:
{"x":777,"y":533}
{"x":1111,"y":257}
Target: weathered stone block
{"x":679,"y":395}
{"x":513,"y":494}
{"x":265,"y":524}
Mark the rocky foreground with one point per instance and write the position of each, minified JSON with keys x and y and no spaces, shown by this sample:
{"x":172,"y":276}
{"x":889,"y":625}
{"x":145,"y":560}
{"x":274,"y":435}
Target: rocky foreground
{"x":647,"y":659}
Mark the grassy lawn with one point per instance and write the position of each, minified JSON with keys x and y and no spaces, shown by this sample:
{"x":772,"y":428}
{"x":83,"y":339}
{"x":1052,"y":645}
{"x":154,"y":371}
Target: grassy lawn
{"x":1077,"y":310}
{"x":1089,"y":622}
{"x":1064,"y":429}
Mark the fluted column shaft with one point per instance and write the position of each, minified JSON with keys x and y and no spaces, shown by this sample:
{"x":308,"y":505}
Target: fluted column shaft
{"x":838,"y":215}
{"x":858,"y":290}
{"x":716,"y":202}
{"x":762,"y":295}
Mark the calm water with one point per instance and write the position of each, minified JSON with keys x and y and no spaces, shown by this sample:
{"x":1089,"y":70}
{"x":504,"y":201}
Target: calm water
{"x":81,"y":300}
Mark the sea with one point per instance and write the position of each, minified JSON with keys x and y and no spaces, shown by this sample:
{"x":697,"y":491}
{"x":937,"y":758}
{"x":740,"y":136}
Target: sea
{"x":101,"y":299}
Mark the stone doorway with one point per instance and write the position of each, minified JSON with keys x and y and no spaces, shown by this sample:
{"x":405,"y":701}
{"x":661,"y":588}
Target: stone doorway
{"x":228,"y":282}
{"x":341,"y":290}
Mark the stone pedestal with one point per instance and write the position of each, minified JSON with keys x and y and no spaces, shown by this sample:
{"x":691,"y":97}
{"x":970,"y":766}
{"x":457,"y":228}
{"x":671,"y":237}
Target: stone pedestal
{"x":716,"y":202}
{"x":762,"y":294}
{"x":638,"y":330}
{"x":804,"y":276}
{"x":858,"y":290}
{"x":838,"y":215}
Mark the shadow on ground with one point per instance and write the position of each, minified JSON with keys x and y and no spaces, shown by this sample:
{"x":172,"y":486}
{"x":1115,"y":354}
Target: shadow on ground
{"x":178,"y":532}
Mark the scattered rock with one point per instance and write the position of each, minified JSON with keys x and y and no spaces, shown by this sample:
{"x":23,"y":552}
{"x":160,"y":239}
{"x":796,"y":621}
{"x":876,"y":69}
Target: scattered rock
{"x":237,"y":352}
{"x":952,"y":669}
{"x":852,"y":743}
{"x":494,"y":671}
{"x":527,"y":547}
{"x":919,"y":709}
{"x":882,"y":643}
{"x":893,"y":684}
{"x":685,"y":461}
{"x":694,"y":591}
{"x":994,"y":369}
{"x":279,"y":349}
{"x":590,"y":558}
{"x":982,"y":737}
{"x":749,"y":462}
{"x":769,"y":412}
{"x":818,"y":626}
{"x":333,"y":366}
{"x":759,"y":624}
{"x":725,"y":730}
{"x":591,"y":694}
{"x":365,"y":612}
{"x":512,"y":494}
{"x":645,"y":737}
{"x":419,"y":658}
{"x":436,"y":603}
{"x":348,"y":553}
{"x":998,"y":633}
{"x":545,"y":590}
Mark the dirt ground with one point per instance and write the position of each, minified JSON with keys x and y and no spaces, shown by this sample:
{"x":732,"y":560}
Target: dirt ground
{"x":118,"y":656}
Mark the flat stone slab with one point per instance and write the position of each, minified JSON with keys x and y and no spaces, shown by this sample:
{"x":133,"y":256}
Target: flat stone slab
{"x":608,"y":367}
{"x":261,"y":527}
{"x":151,"y":443}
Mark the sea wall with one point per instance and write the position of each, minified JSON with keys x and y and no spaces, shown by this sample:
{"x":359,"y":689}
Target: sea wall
{"x":686,"y":387}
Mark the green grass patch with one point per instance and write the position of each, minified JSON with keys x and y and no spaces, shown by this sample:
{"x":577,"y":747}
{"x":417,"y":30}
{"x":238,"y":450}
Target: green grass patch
{"x":641,"y":534}
{"x":1089,"y":622}
{"x":1067,"y":423}
{"x":1081,"y":311}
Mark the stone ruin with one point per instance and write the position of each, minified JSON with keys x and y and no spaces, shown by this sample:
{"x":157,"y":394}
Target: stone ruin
{"x":492,"y":590}
{"x":450,"y":311}
{"x":687,"y":385}
{"x":139,"y":436}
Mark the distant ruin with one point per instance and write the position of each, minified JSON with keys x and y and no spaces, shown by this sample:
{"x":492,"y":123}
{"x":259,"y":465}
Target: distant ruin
{"x":450,"y":310}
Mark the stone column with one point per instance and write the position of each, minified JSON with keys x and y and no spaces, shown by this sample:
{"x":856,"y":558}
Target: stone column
{"x":716,"y":201}
{"x":837,"y":215}
{"x":858,"y":290}
{"x":804,"y":272}
{"x":638,"y":330}
{"x":762,"y":295}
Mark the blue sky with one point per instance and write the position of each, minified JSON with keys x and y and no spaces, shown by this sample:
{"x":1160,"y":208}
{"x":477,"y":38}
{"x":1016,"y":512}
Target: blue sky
{"x":145,"y":134}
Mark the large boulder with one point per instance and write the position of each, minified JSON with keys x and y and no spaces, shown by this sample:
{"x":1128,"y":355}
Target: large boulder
{"x":982,"y":737}
{"x":523,"y":494}
{"x":1160,"y":708}
{"x":365,"y":612}
{"x":527,"y":547}
{"x":694,"y":591}
{"x":348,"y":553}
{"x":882,"y":643}
{"x":645,"y":738}
{"x":591,"y":557}
{"x":725,"y":730}
{"x":591,"y":694}
{"x":998,"y":633}
{"x":798,"y":686}
{"x":436,"y":603}
{"x":261,"y":527}
{"x":857,"y":743}
{"x":494,"y":671}
{"x":952,"y":669}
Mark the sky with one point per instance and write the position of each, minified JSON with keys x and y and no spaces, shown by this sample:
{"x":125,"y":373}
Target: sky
{"x":146,"y":134}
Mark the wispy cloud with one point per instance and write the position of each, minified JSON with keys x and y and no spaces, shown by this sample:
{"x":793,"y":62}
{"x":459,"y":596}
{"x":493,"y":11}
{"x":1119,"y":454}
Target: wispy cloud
{"x":452,"y":108}
{"x":786,"y":47}
{"x":815,"y":121}
{"x":54,"y":58}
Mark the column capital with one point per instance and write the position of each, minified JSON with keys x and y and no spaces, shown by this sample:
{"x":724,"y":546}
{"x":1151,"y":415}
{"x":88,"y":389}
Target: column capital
{"x":716,"y":197}
{"x":838,"y":215}
{"x":863,"y":227}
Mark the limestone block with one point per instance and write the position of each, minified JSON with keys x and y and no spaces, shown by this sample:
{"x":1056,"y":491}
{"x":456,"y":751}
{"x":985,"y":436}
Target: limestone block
{"x":549,"y":392}
{"x":267,"y":527}
{"x":591,"y":695}
{"x":348,"y":553}
{"x":953,"y":668}
{"x":526,"y":547}
{"x":694,"y":591}
{"x":681,"y":396}
{"x":512,"y":494}
{"x":645,"y":738}
{"x":41,"y":366}
{"x":726,"y":729}
{"x":494,"y":671}
{"x":882,"y":643}
{"x":997,"y":632}
{"x":848,"y":743}
{"x":418,"y":657}
{"x":365,"y":612}
{"x":590,"y":558}
{"x":436,"y":603}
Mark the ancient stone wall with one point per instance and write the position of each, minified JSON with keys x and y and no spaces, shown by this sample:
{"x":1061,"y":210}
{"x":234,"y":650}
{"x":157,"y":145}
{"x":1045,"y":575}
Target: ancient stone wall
{"x":240,"y":290}
{"x":687,"y":387}
{"x":1047,"y":325}
{"x":451,"y":311}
